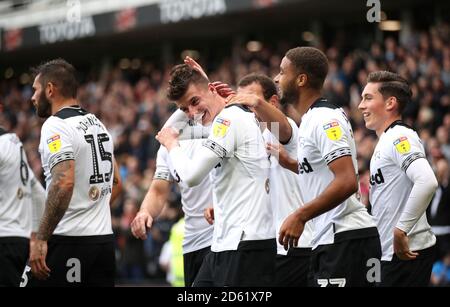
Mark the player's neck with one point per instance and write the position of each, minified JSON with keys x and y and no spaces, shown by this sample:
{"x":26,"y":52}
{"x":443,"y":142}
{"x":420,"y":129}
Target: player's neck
{"x":63,"y":103}
{"x":305,"y":101}
{"x":387,"y":123}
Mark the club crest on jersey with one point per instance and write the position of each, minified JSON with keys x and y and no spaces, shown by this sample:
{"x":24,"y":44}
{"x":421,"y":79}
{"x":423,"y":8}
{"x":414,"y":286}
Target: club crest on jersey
{"x":94,"y":193}
{"x":54,"y":143}
{"x":333,"y":130}
{"x":402,"y":145}
{"x":220,"y":127}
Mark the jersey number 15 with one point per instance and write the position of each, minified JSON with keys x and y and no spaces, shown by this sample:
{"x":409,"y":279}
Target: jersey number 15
{"x":104,"y":155}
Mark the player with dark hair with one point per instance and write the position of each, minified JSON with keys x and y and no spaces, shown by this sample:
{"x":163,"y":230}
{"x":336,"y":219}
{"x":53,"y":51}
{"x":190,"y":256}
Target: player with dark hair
{"x":402,"y":183}
{"x":74,"y":244}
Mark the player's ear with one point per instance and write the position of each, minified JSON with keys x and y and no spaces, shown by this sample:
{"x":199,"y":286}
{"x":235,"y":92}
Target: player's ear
{"x":50,"y":89}
{"x":391,"y":103}
{"x":302,"y":79}
{"x":274,"y":100}
{"x":212,"y":88}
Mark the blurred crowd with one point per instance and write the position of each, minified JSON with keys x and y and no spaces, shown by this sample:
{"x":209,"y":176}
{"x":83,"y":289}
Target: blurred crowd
{"x":131,"y":102}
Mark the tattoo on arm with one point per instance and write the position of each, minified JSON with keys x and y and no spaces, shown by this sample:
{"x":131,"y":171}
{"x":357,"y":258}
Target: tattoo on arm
{"x":58,"y":198}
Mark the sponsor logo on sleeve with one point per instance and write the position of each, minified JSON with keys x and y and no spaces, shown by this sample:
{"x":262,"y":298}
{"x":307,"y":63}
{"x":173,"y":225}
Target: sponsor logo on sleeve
{"x":333,"y":130}
{"x":402,"y":145}
{"x":220,"y":127}
{"x":54,"y":143}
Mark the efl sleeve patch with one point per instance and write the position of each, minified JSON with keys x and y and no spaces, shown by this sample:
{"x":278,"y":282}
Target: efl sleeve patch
{"x":54,"y":143}
{"x":402,"y":145}
{"x":333,"y":130}
{"x":221,"y":127}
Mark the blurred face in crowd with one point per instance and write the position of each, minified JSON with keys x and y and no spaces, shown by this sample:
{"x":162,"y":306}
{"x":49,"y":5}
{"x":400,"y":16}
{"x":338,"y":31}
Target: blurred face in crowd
{"x":40,"y":100}
{"x":200,"y":103}
{"x":286,"y":82}
{"x":374,"y":108}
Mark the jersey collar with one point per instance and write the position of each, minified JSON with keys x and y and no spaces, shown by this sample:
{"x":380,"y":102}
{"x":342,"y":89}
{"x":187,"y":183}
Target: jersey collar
{"x":323,"y":103}
{"x":397,"y":123}
{"x":240,"y":106}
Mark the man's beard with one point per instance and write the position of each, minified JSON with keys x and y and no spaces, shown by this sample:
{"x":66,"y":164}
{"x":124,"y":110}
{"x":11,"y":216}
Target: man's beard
{"x":290,"y":94}
{"x":44,"y":108}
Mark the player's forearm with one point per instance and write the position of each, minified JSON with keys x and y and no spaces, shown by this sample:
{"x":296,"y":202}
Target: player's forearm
{"x":193,"y":171}
{"x":289,"y":163}
{"x":153,"y":202}
{"x":38,"y":206}
{"x":117,"y":184}
{"x":425,"y":185}
{"x":58,"y":198}
{"x":276,"y":121}
{"x":337,"y":192}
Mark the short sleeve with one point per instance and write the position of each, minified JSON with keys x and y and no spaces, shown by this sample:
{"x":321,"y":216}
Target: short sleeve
{"x":56,"y":142}
{"x":162,"y":168}
{"x":223,"y":136}
{"x":331,"y":139}
{"x":405,"y":149}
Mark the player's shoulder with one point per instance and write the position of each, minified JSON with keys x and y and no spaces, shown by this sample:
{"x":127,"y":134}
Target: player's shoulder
{"x":399,"y":129}
{"x":8,"y":137}
{"x":401,"y":136}
{"x":69,"y":112}
{"x":235,"y":111}
{"x":61,"y":119}
{"x":324,"y":110}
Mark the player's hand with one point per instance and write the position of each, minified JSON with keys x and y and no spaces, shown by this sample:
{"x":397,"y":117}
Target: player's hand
{"x":401,"y":246}
{"x":249,"y":100}
{"x":278,"y":151}
{"x":194,"y":65}
{"x":209,"y":215}
{"x":38,"y":253}
{"x":141,"y":223}
{"x":291,"y":230}
{"x":168,"y":137}
{"x":223,"y":89}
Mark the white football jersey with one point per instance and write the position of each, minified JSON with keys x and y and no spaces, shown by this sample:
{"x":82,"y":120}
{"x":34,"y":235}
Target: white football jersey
{"x":285,"y":189}
{"x":198,"y":233}
{"x":240,"y":181}
{"x":390,"y":187}
{"x":16,"y":179}
{"x":74,"y":134}
{"x":325,"y":135}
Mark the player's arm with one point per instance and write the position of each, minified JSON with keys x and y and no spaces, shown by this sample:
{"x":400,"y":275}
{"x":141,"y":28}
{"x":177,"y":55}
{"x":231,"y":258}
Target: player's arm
{"x":151,"y":207}
{"x":58,"y":198}
{"x":424,"y":187}
{"x":38,"y":200}
{"x":267,"y":113}
{"x":342,"y":187}
{"x":117,"y":183}
{"x":190,"y":171}
{"x":283,"y":157}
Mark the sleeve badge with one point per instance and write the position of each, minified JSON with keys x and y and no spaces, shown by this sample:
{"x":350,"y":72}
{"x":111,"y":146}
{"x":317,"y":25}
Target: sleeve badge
{"x":54,"y":143}
{"x":220,"y":127}
{"x":402,"y":145}
{"x":333,"y":130}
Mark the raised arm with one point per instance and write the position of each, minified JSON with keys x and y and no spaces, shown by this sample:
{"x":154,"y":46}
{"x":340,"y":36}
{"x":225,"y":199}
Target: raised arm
{"x":267,"y":113}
